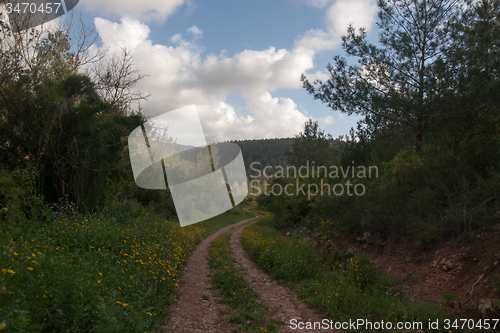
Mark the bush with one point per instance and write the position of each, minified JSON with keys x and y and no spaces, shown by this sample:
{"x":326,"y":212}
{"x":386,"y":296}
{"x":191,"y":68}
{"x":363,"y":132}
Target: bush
{"x":85,"y":274}
{"x":338,"y":287}
{"x":18,"y":199}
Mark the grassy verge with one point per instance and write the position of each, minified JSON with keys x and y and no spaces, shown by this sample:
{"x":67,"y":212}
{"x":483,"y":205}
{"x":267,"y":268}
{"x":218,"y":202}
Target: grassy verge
{"x":215,"y":223}
{"x":99,"y":273}
{"x":235,"y":290}
{"x":341,"y":288}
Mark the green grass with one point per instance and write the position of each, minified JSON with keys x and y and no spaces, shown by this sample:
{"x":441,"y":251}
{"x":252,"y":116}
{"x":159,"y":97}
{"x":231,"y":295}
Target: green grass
{"x":235,"y":290}
{"x":341,"y":288}
{"x":107,"y":272}
{"x":215,"y":223}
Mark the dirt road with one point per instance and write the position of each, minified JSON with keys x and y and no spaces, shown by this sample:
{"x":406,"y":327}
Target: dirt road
{"x":197,"y":308}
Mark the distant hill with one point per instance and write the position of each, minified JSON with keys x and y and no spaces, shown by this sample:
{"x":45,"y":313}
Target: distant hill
{"x":268,"y":152}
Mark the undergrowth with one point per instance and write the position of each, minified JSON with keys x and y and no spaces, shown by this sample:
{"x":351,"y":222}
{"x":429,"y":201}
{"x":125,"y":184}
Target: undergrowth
{"x":341,"y":288}
{"x":109,"y":272}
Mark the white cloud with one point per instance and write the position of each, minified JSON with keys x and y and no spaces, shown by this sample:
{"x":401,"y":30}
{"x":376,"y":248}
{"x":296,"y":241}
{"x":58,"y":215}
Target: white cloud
{"x":179,"y":76}
{"x":328,"y":120}
{"x":253,"y":72}
{"x":339,"y":14}
{"x":195,"y":31}
{"x":322,"y":76}
{"x":271,"y":117}
{"x":359,"y":13}
{"x":129,"y":34}
{"x":144,"y":9}
{"x":318,"y":40}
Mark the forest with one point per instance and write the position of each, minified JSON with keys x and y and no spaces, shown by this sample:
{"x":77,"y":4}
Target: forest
{"x":428,"y":95}
{"x":266,"y":152}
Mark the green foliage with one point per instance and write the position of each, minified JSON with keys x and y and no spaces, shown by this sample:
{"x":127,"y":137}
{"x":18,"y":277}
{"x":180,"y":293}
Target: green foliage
{"x":91,"y":274}
{"x":475,"y":56}
{"x":446,"y":94}
{"x":12,"y":197}
{"x":312,"y":147}
{"x":289,"y":210}
{"x":496,"y":282}
{"x":267,"y":152}
{"x":67,"y":135}
{"x":84,"y":146}
{"x":399,"y":82}
{"x":53,"y":120}
{"x":444,"y":191}
{"x":110,"y":271}
{"x":19,"y":199}
{"x":284,"y":258}
{"x":495,"y":303}
{"x":337,"y":289}
{"x":121,"y":187}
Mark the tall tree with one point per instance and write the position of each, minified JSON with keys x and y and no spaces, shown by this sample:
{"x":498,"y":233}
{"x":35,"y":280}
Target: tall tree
{"x":52,"y":119}
{"x":399,"y":80}
{"x":312,"y":146}
{"x":475,"y":56}
{"x":115,"y":79}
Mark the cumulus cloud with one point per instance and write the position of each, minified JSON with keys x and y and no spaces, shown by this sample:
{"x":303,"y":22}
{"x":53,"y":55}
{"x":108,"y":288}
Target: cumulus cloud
{"x":252,"y":72}
{"x":271,"y":117}
{"x":129,"y":34}
{"x":359,"y":13}
{"x":195,"y":31}
{"x":328,"y":120}
{"x":339,"y":14}
{"x":318,"y":40}
{"x":144,"y":9}
{"x":179,"y":76}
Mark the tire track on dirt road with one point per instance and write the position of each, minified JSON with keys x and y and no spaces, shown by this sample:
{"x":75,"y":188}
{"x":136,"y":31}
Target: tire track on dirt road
{"x":283,"y":303}
{"x":194,"y":313}
{"x":198,"y":309}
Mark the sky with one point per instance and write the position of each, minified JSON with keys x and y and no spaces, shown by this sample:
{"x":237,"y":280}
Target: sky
{"x":239,"y":62}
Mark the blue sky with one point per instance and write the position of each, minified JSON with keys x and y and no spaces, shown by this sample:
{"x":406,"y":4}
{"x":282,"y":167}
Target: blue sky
{"x":238,"y":61}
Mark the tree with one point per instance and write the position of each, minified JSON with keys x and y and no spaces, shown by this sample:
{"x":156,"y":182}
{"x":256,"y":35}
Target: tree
{"x":401,"y":81}
{"x":312,"y":147}
{"x":84,"y":143}
{"x":52,"y":120}
{"x":32,"y":61}
{"x":475,"y":57}
{"x":115,"y":79}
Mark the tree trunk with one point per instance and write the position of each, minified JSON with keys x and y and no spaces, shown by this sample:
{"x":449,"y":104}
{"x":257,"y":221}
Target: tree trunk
{"x":418,"y":141}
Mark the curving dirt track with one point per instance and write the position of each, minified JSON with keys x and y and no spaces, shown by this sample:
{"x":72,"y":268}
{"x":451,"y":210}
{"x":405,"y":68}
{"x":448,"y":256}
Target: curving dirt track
{"x":283,"y":303}
{"x":197,"y":308}
{"x":193,"y":313}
